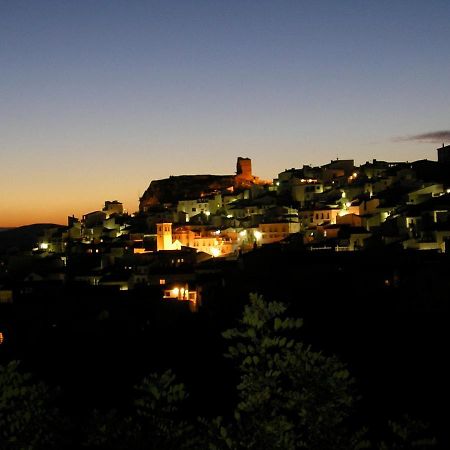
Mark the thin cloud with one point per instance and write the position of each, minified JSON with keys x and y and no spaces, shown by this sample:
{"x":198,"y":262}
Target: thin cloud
{"x":433,"y":137}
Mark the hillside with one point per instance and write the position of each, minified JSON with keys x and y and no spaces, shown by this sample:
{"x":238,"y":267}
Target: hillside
{"x":22,"y":238}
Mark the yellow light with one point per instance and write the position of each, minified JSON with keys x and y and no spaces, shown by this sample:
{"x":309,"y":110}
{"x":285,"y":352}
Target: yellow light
{"x":355,"y":174}
{"x":2,"y":338}
{"x":43,"y":246}
{"x":215,"y":252}
{"x":344,"y":194}
{"x":242,"y":233}
{"x":257,"y":234}
{"x":348,"y":204}
{"x":175,"y":292}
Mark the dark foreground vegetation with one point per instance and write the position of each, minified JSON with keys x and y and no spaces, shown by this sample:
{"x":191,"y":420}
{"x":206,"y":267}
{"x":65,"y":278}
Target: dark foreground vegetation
{"x":124,"y":369}
{"x":273,"y":391}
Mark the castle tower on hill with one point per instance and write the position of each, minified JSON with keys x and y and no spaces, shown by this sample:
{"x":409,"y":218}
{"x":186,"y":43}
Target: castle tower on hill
{"x":164,"y":236}
{"x":244,"y":169}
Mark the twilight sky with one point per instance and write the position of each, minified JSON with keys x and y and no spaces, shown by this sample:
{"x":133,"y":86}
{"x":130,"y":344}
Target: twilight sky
{"x":99,"y":97}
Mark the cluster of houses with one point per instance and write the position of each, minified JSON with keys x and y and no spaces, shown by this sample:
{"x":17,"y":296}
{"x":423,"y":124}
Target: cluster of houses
{"x":336,"y":206}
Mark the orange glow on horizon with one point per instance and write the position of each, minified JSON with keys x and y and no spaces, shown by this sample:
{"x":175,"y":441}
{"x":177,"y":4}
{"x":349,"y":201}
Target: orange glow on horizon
{"x":53,"y":212}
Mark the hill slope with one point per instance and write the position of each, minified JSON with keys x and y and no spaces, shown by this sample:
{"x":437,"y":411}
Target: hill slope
{"x":22,"y":238}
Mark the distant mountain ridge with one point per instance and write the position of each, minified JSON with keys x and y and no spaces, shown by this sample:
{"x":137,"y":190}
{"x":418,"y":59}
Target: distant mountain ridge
{"x":22,"y":238}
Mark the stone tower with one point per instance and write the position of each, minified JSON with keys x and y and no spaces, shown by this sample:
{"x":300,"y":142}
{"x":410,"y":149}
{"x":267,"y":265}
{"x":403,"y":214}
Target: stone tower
{"x":163,"y":236}
{"x":244,"y":169}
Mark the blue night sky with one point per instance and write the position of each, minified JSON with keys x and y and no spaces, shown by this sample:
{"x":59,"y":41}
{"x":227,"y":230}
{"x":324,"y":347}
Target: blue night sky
{"x":97,"y":98}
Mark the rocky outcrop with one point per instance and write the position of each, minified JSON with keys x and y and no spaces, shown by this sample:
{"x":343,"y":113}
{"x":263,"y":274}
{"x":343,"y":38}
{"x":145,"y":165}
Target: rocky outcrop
{"x":183,"y":187}
{"x":189,"y":187}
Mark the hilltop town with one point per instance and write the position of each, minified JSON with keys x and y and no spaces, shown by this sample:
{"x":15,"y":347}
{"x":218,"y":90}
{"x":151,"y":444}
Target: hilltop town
{"x":186,"y":220}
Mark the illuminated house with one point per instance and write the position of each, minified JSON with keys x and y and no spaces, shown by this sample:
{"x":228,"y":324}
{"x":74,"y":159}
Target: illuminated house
{"x":182,"y":293}
{"x":347,"y":236}
{"x":444,"y":154}
{"x":426,"y":224}
{"x":338,"y":170}
{"x":274,"y":232}
{"x":206,"y":205}
{"x":213,"y":242}
{"x":425,"y":192}
{"x":113,"y":207}
{"x":304,"y":191}
{"x":318,"y":216}
{"x":94,"y":218}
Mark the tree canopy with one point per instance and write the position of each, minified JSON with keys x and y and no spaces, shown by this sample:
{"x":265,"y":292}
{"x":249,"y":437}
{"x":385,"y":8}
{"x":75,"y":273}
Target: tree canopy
{"x":289,"y":397}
